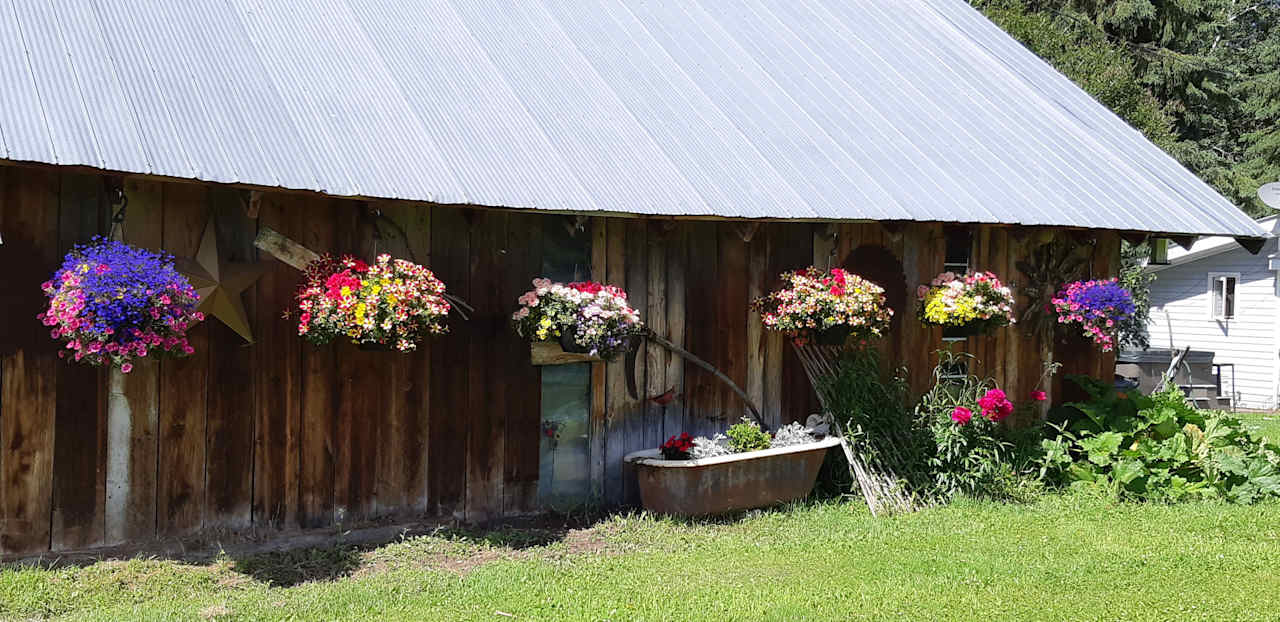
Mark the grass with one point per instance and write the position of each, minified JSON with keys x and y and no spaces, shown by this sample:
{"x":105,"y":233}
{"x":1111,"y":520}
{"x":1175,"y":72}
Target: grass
{"x":1060,"y":558}
{"x":1265,"y":424}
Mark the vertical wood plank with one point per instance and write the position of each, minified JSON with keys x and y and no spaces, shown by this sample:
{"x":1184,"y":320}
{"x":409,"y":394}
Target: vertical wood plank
{"x":521,"y":264}
{"x":29,"y":217}
{"x":27,"y":430}
{"x":487,"y":395}
{"x":360,"y":409}
{"x":615,"y":372}
{"x":677,"y":256}
{"x":450,"y":365}
{"x":731,"y":328}
{"x":414,"y":370}
{"x":795,"y":251}
{"x":230,"y":424}
{"x":277,"y":361}
{"x":635,"y":419}
{"x":79,"y":485}
{"x":599,"y":373}
{"x":183,"y":383}
{"x":702,"y":392}
{"x":757,"y":358}
{"x":318,"y":454}
{"x":656,"y":357}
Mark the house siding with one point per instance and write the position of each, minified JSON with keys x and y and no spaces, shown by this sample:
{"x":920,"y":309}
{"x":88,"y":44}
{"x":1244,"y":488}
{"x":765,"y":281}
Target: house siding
{"x":1180,"y":317}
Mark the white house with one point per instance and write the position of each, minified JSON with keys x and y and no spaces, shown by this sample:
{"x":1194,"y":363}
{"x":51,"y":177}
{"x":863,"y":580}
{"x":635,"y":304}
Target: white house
{"x":1216,"y":296}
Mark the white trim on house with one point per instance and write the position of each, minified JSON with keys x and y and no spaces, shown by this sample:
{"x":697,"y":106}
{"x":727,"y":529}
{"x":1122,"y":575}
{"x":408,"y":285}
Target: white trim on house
{"x":1210,"y":246}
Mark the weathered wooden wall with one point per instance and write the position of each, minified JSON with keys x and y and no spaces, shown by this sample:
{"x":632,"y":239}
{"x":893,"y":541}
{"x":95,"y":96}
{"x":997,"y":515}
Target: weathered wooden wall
{"x":280,"y":434}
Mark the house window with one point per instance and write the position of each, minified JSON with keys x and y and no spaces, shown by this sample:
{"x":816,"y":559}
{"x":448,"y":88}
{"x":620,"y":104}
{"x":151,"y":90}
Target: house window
{"x":1222,"y":295}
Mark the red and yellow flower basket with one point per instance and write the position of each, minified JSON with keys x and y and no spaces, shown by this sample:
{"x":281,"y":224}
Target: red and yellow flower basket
{"x":391,"y":304}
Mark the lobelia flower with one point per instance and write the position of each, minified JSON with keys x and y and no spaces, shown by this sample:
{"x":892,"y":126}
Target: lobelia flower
{"x":112,"y":302}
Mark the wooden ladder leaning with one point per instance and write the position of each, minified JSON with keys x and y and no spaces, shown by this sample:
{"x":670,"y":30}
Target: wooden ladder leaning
{"x":880,"y":486}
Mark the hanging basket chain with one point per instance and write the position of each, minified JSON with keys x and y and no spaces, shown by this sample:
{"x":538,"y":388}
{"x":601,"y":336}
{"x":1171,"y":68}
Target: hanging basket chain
{"x":118,"y":197}
{"x":376,"y":217}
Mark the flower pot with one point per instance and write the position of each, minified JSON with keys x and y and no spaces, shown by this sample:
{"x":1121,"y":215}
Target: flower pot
{"x":550,"y":353}
{"x":834,"y":336}
{"x":568,"y":344}
{"x":753,"y":479}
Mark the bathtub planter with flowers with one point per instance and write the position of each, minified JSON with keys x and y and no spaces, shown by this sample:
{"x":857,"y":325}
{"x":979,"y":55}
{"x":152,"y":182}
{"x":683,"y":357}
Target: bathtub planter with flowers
{"x":825,"y":307}
{"x":706,"y":476}
{"x":390,"y":305}
{"x":582,"y":321}
{"x":966,"y":305}
{"x":112,"y":304}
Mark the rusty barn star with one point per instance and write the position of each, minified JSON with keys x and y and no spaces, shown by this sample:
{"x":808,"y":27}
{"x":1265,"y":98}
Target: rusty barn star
{"x":220,"y":283}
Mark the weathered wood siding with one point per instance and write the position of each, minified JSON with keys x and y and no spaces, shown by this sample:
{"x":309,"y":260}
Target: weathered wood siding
{"x":280,"y":434}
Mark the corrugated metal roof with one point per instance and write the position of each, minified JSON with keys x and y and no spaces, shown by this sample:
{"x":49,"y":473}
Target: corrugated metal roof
{"x":814,"y":109}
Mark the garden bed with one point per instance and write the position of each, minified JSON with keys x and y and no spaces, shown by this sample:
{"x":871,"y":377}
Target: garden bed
{"x":739,"y":481}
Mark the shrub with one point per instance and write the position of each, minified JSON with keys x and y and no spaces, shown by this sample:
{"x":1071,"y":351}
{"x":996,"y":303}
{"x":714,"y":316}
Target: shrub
{"x":1158,"y":448}
{"x":973,"y":454}
{"x":747,"y":436}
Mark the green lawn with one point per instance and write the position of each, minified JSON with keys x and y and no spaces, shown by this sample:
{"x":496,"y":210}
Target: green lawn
{"x":1266,"y":424}
{"x":1061,"y":558}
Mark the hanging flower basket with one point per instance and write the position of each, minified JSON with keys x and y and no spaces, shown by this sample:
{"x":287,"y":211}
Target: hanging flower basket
{"x":1097,"y":306}
{"x":112,"y":303}
{"x":390,"y":305}
{"x":586,"y":319}
{"x":826,"y":307}
{"x":967,"y":305}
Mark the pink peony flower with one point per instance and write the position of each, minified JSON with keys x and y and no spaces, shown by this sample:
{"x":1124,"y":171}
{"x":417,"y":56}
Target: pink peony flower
{"x":1038,"y":396}
{"x":961,"y":415}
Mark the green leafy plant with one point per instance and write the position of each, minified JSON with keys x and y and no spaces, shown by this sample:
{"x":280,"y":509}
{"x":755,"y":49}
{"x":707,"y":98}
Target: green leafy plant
{"x":747,"y":436}
{"x":1158,"y":448}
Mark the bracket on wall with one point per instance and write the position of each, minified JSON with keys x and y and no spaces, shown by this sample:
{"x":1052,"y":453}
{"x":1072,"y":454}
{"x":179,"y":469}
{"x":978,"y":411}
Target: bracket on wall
{"x":252,"y":203}
{"x":1134,"y":237}
{"x":747,"y":230}
{"x":576,"y":224}
{"x":1185,"y":241}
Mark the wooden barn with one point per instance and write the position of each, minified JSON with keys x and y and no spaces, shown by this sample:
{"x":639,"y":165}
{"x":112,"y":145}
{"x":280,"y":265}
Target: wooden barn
{"x":688,"y":152}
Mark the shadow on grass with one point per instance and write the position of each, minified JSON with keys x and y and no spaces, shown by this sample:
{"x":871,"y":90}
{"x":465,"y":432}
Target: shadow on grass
{"x":453,"y":548}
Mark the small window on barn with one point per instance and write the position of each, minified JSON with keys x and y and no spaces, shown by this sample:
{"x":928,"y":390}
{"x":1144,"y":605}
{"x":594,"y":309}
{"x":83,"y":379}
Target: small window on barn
{"x":959,"y":248}
{"x":1222,"y":295}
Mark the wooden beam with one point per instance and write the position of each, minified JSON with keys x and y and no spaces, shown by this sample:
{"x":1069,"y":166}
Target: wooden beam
{"x":288,"y":251}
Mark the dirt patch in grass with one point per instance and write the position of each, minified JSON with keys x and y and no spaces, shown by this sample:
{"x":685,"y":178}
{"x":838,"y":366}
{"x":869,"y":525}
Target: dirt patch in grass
{"x":452,"y":549}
